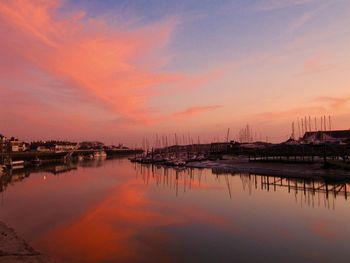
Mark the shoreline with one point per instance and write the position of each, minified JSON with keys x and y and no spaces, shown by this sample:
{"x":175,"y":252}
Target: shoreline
{"x":30,"y":155}
{"x":14,"y":249}
{"x":242,"y":165}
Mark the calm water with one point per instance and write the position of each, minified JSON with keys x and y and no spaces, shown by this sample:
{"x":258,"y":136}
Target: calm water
{"x":115,"y":211}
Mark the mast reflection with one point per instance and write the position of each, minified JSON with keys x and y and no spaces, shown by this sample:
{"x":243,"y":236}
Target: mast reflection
{"x":306,"y":192}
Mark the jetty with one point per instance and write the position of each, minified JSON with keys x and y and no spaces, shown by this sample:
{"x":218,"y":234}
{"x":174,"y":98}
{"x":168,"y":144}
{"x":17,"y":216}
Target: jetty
{"x":311,"y":191}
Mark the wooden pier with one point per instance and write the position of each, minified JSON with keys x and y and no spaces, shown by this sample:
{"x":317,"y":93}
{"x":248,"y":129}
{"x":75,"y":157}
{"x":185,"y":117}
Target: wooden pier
{"x":306,"y":192}
{"x":309,"y":191}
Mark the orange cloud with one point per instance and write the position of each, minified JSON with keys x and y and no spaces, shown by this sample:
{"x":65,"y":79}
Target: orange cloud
{"x":88,"y":56}
{"x":319,"y":105}
{"x":73,"y":67}
{"x":334,"y":102}
{"x":290,"y":113}
{"x":195,"y":110}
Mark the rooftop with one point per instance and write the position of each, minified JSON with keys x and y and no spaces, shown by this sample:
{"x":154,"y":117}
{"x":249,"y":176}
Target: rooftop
{"x":338,"y":134}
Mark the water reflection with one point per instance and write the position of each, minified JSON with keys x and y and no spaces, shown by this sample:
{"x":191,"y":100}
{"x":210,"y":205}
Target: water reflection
{"x":116,"y":211}
{"x":309,"y":192}
{"x":13,"y":176}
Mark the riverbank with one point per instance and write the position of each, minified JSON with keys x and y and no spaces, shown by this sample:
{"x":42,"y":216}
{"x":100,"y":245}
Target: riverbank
{"x":14,"y":249}
{"x":46,"y":156}
{"x":242,"y":165}
{"x":20,"y":160}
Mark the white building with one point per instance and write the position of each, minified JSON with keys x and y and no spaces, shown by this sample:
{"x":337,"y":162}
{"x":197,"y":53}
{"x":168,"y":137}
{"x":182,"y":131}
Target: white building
{"x":15,"y":145}
{"x":65,"y":147}
{"x":56,"y":146}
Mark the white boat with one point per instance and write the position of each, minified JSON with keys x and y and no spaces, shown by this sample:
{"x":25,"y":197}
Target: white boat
{"x":15,"y":165}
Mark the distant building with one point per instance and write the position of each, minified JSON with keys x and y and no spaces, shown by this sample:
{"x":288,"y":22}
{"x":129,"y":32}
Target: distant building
{"x":54,"y":146}
{"x":66,"y":146}
{"x":44,"y":148}
{"x":15,"y":145}
{"x":317,"y":137}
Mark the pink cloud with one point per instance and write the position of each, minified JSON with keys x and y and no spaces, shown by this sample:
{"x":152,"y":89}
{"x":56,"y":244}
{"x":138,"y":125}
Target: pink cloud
{"x":88,"y":56}
{"x":195,"y":110}
{"x":290,"y":113}
{"x":78,"y":66}
{"x":337,"y":103}
{"x":319,"y":105}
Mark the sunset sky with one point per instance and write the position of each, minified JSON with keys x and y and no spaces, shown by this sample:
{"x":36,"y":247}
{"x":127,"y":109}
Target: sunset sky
{"x":119,"y":70}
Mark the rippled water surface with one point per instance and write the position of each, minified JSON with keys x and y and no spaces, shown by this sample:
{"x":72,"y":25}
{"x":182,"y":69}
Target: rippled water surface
{"x":116,"y":211}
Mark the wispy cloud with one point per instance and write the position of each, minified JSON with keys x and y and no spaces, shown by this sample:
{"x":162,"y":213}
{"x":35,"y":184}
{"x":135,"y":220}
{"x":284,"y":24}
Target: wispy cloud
{"x":195,"y":110}
{"x":316,"y":106}
{"x":86,"y":55}
{"x":104,"y":67}
{"x":307,"y":16}
{"x":336,"y":103}
{"x":318,"y":63}
{"x":268,"y":5}
{"x":302,"y":20}
{"x":290,"y":113}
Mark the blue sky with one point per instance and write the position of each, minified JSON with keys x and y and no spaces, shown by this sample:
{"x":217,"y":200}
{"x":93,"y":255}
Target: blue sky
{"x":199,"y":66}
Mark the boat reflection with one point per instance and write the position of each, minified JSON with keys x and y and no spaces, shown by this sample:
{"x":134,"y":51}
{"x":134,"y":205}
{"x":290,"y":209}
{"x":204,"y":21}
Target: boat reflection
{"x":18,"y":175}
{"x":129,"y":212}
{"x":306,"y":192}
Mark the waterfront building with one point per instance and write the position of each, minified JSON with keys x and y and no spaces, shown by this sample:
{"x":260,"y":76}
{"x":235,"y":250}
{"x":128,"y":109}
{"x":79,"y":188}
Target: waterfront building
{"x":317,"y":137}
{"x":16,"y":145}
{"x":66,"y":146}
{"x":54,"y":146}
{"x":44,"y":148}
